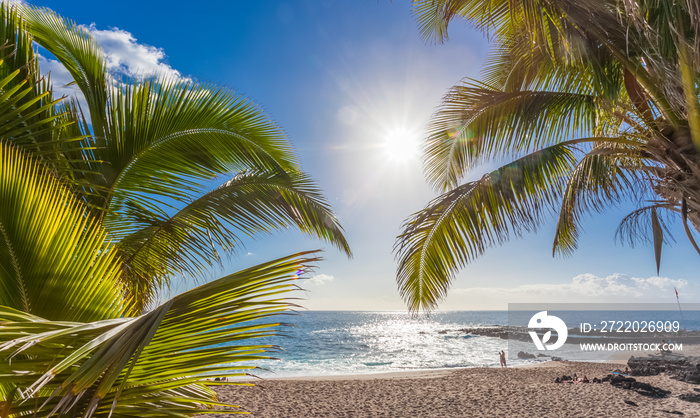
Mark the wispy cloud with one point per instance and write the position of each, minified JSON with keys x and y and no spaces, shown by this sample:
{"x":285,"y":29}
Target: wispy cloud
{"x":584,"y":288}
{"x":319,"y":279}
{"x":588,"y":285}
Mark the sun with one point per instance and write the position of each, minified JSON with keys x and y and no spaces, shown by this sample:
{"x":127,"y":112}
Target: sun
{"x":401,"y":145}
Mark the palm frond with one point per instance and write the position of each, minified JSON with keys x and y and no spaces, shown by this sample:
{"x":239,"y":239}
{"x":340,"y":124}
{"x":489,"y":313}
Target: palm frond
{"x":53,"y":257}
{"x":458,"y":226}
{"x":155,"y":245}
{"x":603,"y":178}
{"x":477,"y":122}
{"x":153,"y":365}
{"x":187,"y":132}
{"x":636,"y":227}
{"x":31,"y":118}
{"x":434,"y":17}
{"x":76,"y":49}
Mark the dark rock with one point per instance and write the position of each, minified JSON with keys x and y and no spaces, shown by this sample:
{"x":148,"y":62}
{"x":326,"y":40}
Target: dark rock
{"x":630,"y":403}
{"x":557,"y":359}
{"x":498,"y":331}
{"x":622,"y":381}
{"x":672,"y":412}
{"x":542,"y":355}
{"x":522,"y":354}
{"x":617,"y":379}
{"x":690,"y":397}
{"x":683,"y":368}
{"x":642,"y":388}
{"x":650,"y":391}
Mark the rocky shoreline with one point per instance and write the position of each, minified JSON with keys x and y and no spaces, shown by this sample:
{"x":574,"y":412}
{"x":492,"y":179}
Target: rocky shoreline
{"x":679,"y":367}
{"x":576,"y":336}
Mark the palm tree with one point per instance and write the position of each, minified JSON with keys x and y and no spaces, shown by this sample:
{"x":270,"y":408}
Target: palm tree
{"x":596,"y":101}
{"x":70,"y":341}
{"x":153,"y":149}
{"x":93,"y":358}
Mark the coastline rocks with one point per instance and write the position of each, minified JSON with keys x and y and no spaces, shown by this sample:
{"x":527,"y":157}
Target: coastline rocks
{"x":522,"y":354}
{"x":685,"y":369}
{"x":494,"y":331}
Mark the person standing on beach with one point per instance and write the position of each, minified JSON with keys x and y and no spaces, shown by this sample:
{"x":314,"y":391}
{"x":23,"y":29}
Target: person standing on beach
{"x":502,"y":356}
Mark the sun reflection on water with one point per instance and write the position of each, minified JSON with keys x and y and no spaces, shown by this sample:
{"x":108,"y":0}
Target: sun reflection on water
{"x":327,"y":343}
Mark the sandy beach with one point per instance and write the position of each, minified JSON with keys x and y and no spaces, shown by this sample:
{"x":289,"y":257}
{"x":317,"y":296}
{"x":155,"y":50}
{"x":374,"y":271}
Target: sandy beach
{"x":477,"y":392}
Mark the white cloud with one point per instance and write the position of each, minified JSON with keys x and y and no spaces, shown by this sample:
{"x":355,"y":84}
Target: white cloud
{"x":584,"y":288}
{"x":319,"y":279}
{"x":60,"y":80}
{"x":125,"y":55}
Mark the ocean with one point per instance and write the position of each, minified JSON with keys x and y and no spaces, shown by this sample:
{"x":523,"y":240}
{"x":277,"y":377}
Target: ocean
{"x":343,"y":343}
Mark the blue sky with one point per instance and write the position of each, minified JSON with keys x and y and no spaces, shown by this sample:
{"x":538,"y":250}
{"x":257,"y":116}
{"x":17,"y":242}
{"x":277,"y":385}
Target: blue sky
{"x":343,"y":78}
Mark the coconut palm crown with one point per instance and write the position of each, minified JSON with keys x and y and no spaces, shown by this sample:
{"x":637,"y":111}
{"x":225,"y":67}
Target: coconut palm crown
{"x":594,"y":102}
{"x":178,"y":172}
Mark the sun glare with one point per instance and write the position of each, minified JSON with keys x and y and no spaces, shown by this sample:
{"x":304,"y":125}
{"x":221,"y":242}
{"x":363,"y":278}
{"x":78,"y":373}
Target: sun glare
{"x":401,"y":145}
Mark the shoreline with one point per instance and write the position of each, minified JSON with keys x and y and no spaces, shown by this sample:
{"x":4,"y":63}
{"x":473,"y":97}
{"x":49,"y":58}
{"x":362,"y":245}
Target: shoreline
{"x":421,"y":373}
{"x":418,"y":373}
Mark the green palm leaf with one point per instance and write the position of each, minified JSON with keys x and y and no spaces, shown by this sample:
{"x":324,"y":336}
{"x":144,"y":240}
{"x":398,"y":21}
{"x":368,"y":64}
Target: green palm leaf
{"x":476,"y":123}
{"x":191,"y":239}
{"x":31,"y":119}
{"x":458,"y":226}
{"x":602,"y":179}
{"x":187,"y":132}
{"x":53,"y":259}
{"x":153,"y":365}
{"x":73,"y":46}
